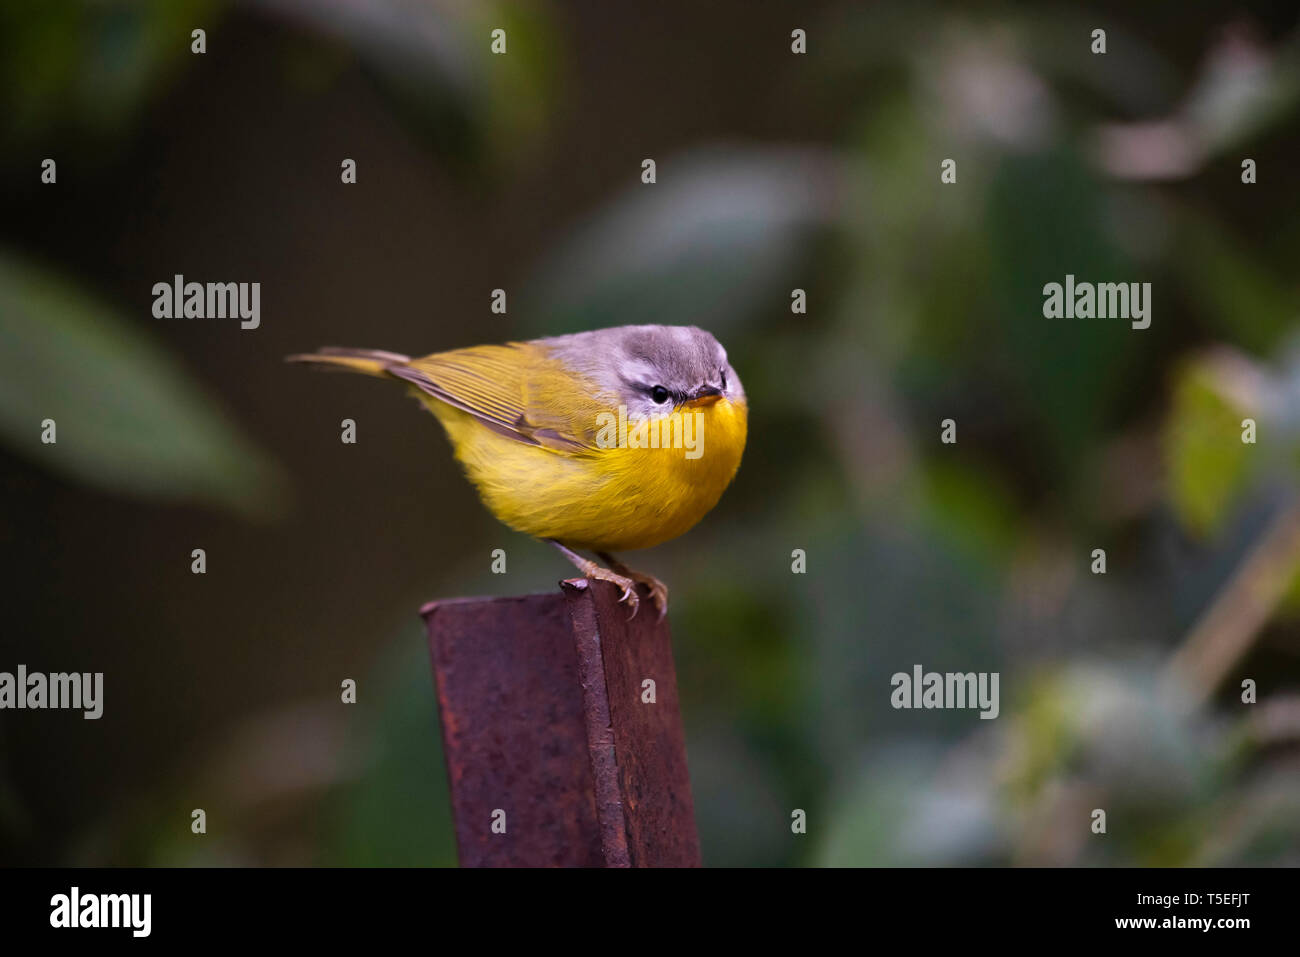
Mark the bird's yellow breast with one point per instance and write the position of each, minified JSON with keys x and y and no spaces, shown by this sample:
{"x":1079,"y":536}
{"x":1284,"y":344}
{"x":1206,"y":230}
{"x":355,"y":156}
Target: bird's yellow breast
{"x":614,"y":498}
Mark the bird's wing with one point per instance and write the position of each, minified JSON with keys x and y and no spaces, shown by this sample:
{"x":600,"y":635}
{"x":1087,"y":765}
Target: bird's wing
{"x":514,"y":389}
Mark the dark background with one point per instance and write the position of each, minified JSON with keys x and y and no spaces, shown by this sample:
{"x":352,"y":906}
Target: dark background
{"x":775,"y":171}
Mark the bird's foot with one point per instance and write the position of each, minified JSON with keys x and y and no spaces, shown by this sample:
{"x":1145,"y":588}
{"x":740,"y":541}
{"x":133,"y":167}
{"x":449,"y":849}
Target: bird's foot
{"x":658,"y":590}
{"x":624,"y":582}
{"x":591,"y":570}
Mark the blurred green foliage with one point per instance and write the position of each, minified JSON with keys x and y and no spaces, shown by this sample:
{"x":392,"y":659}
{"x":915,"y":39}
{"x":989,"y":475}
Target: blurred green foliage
{"x":87,"y":66}
{"x":127,"y":417}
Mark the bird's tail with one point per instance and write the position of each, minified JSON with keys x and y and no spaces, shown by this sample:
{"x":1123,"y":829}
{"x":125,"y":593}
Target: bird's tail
{"x":366,"y":361}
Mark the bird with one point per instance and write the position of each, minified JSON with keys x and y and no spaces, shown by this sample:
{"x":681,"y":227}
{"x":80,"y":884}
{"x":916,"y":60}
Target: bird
{"x":608,"y":441}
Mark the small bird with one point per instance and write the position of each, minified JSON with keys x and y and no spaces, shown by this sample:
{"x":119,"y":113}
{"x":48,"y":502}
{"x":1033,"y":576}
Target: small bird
{"x":608,"y":440}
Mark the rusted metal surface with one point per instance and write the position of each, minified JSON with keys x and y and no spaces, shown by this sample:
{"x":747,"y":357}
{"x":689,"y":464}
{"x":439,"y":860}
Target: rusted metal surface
{"x":513,"y":731}
{"x":650,"y":775}
{"x":543,"y":718}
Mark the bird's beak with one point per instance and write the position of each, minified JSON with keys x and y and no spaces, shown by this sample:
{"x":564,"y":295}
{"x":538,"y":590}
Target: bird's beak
{"x":704,"y":396}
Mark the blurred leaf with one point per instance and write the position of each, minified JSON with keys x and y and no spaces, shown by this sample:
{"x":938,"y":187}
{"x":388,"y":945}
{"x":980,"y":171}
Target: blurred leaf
{"x":1015,"y":791}
{"x":1208,"y":464}
{"x":1232,"y":288}
{"x":863,"y":40}
{"x":1242,"y":90}
{"x":92,"y":65}
{"x":128,"y":418}
{"x":434,"y":58}
{"x":971,"y":508}
{"x":1046,"y":219}
{"x":703,"y":245}
{"x":89,"y":64}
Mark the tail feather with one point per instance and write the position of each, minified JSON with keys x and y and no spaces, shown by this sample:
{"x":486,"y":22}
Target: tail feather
{"x":366,"y":361}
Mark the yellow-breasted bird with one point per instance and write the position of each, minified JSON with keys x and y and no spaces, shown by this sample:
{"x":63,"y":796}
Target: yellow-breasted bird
{"x":608,"y":440}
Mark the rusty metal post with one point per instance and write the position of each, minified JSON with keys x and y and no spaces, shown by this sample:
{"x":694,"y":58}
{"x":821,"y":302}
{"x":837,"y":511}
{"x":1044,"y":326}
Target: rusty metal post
{"x":545,"y":731}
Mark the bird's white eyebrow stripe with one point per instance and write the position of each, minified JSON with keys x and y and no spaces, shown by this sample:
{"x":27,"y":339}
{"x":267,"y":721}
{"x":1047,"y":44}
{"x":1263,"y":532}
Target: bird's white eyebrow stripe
{"x":636,"y":370}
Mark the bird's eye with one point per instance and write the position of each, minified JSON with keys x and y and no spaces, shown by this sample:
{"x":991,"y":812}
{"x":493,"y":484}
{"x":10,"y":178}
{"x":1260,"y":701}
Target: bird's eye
{"x":659,"y":394}
{"x":723,"y":372}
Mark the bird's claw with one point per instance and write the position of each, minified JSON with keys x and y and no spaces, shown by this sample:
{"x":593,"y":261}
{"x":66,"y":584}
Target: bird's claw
{"x":658,"y":594}
{"x":634,"y":602}
{"x":627,"y":584}
{"x":658,"y":590}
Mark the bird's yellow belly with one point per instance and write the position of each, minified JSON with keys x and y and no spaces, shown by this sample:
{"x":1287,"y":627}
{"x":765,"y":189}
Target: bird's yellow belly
{"x":613,"y":499}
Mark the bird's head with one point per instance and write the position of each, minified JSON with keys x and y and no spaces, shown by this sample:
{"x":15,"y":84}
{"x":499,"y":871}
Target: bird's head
{"x":659,"y":369}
